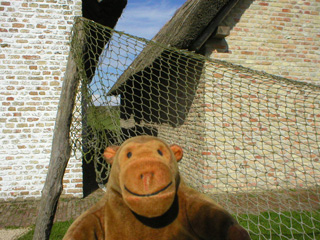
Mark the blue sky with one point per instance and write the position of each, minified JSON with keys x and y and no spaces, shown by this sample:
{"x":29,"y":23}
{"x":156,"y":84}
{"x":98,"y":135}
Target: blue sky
{"x":144,"y":18}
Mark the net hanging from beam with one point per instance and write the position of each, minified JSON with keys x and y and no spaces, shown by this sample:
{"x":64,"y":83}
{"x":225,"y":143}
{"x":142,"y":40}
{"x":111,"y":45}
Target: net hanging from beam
{"x":251,"y":140}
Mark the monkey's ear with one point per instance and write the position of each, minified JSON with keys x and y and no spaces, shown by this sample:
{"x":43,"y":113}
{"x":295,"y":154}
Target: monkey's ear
{"x":177,"y":151}
{"x":109,"y":153}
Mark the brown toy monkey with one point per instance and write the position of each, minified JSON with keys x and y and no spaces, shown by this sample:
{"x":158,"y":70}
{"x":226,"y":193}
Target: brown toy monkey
{"x":146,"y":199}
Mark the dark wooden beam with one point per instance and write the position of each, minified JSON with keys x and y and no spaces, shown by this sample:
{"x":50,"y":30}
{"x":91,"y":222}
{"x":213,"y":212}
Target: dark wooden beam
{"x":215,"y":22}
{"x":107,"y":13}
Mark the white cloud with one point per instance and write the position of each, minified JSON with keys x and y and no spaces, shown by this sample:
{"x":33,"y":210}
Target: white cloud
{"x":145,"y":18}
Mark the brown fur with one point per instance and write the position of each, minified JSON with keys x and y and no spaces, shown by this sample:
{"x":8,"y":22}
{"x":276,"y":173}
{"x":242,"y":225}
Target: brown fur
{"x":146,"y":199}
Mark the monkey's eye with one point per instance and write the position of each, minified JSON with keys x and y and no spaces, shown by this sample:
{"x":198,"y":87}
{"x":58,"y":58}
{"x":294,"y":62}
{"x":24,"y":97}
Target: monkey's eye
{"x":160,"y":152}
{"x":129,"y":154}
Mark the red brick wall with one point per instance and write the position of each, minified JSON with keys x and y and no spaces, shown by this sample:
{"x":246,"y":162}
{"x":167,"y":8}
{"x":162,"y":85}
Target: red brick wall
{"x":249,"y":132}
{"x":279,"y":37}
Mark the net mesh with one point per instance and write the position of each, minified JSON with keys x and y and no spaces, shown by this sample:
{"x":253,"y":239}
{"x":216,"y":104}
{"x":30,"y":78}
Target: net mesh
{"x":251,"y":140}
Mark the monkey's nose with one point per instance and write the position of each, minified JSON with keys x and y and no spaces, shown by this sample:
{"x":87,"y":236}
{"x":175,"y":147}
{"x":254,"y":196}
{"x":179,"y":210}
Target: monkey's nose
{"x":147,"y":179}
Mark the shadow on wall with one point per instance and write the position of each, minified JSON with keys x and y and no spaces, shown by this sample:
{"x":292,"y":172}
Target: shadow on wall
{"x":163,"y":92}
{"x":220,"y":45}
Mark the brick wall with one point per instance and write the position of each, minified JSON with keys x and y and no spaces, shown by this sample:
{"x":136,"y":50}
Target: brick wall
{"x":34,"y":49}
{"x":191,"y":137}
{"x":262,"y":132}
{"x":279,"y":37}
{"x":248,"y":132}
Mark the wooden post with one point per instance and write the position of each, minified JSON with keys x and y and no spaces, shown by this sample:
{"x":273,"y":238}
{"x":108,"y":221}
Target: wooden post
{"x":60,"y":152}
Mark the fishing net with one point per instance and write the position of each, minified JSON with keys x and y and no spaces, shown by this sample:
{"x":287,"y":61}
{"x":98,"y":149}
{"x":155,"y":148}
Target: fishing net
{"x":251,"y":140}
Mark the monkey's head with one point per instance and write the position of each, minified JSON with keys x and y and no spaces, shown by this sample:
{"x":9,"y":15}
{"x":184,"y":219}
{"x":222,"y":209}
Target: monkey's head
{"x":145,"y":172}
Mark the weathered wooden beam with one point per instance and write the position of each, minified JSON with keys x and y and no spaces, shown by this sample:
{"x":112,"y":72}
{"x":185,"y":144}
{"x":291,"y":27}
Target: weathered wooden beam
{"x":105,"y":12}
{"x":60,"y":152}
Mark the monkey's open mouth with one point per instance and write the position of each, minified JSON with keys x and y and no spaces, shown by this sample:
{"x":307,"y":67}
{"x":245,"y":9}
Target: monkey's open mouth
{"x":149,"y":194}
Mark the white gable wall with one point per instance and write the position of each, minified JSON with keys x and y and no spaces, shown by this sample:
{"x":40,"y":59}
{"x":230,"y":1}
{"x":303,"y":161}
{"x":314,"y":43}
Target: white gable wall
{"x":34,"y":41}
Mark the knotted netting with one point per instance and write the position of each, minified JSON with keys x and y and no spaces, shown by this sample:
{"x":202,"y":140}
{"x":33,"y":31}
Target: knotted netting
{"x":251,"y":140}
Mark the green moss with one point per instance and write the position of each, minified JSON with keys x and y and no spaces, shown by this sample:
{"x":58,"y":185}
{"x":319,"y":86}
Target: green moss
{"x":102,"y":118}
